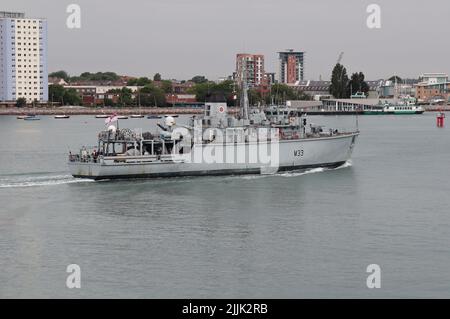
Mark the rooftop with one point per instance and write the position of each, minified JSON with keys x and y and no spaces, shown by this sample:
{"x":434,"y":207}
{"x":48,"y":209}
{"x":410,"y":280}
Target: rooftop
{"x":8,"y":14}
{"x":437,"y":74}
{"x":309,"y":85}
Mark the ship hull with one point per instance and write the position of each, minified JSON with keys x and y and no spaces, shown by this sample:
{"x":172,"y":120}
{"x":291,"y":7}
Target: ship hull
{"x":297,"y":154}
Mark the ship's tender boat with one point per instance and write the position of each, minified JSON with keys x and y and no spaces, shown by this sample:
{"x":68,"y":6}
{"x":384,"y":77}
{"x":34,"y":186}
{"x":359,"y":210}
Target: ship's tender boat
{"x":60,"y":117}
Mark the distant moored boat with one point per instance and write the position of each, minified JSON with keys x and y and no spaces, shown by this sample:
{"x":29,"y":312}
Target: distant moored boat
{"x":31,"y":118}
{"x":62,"y":116}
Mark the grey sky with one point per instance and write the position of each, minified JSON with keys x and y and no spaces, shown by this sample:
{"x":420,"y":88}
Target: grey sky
{"x":182,"y":38}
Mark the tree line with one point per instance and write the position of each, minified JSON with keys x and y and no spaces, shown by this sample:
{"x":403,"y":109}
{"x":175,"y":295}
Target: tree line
{"x":85,"y":76}
{"x":343,"y":87}
{"x":152,"y":92}
{"x":276,"y":93}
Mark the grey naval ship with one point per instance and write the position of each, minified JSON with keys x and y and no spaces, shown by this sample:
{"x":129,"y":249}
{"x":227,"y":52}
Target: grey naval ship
{"x":257,"y":140}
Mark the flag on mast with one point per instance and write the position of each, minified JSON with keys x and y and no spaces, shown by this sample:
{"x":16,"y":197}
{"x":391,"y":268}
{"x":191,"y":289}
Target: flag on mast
{"x":111,"y":119}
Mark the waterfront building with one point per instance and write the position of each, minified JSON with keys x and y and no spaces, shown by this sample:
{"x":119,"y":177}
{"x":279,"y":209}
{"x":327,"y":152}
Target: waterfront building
{"x":271,"y":78}
{"x":389,"y":89}
{"x":23,"y":55}
{"x":291,"y":64}
{"x":250,"y":68}
{"x":182,"y":87}
{"x":183,"y":100}
{"x":433,"y":88}
{"x":352,"y":105}
{"x":92,"y":95}
{"x":56,"y":81}
{"x":97,"y":89}
{"x":321,"y":89}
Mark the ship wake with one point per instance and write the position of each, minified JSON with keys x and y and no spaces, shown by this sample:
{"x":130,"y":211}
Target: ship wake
{"x":36,"y":180}
{"x":299,"y":173}
{"x":314,"y":170}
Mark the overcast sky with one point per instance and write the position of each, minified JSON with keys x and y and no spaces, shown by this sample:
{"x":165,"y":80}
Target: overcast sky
{"x":182,"y":38}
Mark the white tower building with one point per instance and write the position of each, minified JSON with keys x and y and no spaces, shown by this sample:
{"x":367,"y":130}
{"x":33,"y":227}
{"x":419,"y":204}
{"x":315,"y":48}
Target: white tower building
{"x":23,"y":56}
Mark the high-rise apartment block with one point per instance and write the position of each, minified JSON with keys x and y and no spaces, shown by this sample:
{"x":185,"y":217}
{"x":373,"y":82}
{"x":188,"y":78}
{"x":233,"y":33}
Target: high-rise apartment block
{"x":23,"y":56}
{"x":250,"y":68}
{"x":291,"y":66}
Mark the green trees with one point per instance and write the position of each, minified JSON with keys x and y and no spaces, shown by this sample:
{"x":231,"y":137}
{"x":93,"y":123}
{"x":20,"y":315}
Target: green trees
{"x":21,"y":102}
{"x":278,"y":93}
{"x":357,"y":84}
{"x":283,"y":92}
{"x":151,"y":95}
{"x":202,"y":89}
{"x":342,"y":88}
{"x":339,"y":82}
{"x":57,"y":93}
{"x":60,"y":74}
{"x":86,"y":76}
{"x":71,"y":97}
{"x":125,"y":97}
{"x":98,"y":76}
{"x":166,"y":86}
{"x":199,"y":79}
{"x":157,"y":77}
{"x":143,"y":81}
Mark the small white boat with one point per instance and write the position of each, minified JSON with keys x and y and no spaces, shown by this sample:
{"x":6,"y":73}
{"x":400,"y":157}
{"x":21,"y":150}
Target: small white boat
{"x":31,"y":118}
{"x":62,"y":116}
{"x":137,"y":116}
{"x":122,"y":117}
{"x":101,"y":116}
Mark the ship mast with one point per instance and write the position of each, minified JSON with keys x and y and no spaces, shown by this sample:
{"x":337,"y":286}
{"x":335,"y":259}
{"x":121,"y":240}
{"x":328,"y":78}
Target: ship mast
{"x":244,"y":101}
{"x":244,"y":94}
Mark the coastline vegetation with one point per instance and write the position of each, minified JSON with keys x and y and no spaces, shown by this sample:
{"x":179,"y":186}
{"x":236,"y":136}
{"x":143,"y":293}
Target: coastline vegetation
{"x":342,"y":87}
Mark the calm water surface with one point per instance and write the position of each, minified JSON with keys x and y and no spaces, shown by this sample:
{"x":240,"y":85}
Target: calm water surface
{"x":293,"y":235}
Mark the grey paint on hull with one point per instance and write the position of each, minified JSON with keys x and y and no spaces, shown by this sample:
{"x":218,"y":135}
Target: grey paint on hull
{"x":210,"y":173}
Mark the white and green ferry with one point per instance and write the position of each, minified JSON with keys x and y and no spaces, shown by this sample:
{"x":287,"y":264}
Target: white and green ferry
{"x":407,"y":106}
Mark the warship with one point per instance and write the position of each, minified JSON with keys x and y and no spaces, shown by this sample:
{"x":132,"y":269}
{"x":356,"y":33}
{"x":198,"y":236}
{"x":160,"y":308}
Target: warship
{"x":254,"y":140}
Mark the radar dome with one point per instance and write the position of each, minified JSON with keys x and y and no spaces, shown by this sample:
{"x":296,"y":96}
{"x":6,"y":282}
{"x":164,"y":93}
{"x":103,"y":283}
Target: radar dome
{"x":112,"y":128}
{"x":170,"y":121}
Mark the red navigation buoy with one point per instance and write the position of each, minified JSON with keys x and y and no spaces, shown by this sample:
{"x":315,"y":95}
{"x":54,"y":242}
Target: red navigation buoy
{"x":440,"y":119}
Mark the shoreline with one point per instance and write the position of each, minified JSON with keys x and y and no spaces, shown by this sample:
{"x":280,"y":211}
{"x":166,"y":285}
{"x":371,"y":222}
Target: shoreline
{"x":15,"y":111}
{"x":96,"y":111}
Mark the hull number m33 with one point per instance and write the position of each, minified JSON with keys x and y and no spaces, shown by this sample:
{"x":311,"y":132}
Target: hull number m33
{"x":298,"y":153}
